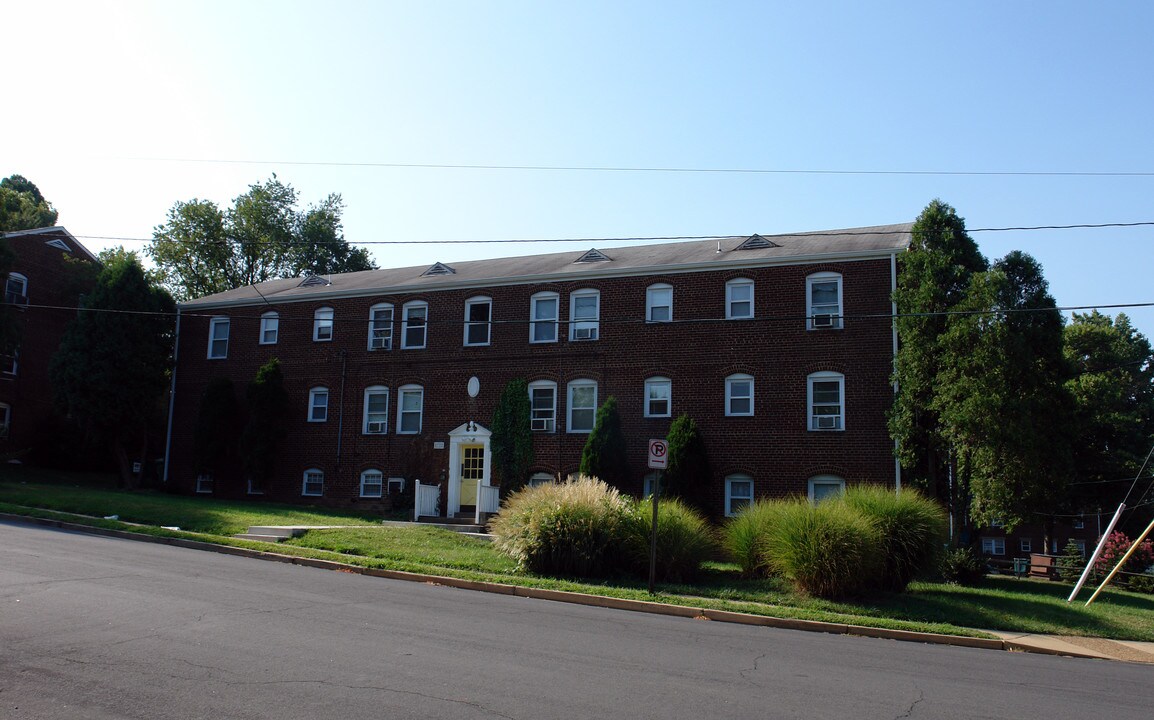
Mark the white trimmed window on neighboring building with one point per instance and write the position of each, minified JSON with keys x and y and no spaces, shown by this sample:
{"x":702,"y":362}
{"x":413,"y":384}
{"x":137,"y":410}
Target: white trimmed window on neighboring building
{"x":414,"y":325}
{"x":659,"y":303}
{"x":543,"y":406}
{"x":314,"y":483}
{"x":381,"y":327}
{"x":826,"y":401}
{"x":739,"y":299}
{"x":584,"y":314}
{"x":582,"y":406}
{"x":1025,"y":545}
{"x":204,"y":483}
{"x":739,"y":395}
{"x":994,"y":546}
{"x":318,"y":404}
{"x":478,"y":320}
{"x":372,"y":483}
{"x":658,"y":397}
{"x":16,"y":289}
{"x":410,"y":409}
{"x":376,"y":419}
{"x":738,"y":493}
{"x":543,"y":317}
{"x":323,"y":324}
{"x":538,"y":479}
{"x":218,"y":338}
{"x":823,"y":308}
{"x":269,"y":328}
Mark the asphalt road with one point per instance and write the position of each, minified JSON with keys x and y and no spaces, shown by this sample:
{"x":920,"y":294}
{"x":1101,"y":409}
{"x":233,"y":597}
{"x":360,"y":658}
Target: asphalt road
{"x":94,"y":627}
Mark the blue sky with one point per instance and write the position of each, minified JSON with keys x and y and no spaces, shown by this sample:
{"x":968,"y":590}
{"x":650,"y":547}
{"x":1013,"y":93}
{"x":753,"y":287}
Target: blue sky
{"x":109,"y":95}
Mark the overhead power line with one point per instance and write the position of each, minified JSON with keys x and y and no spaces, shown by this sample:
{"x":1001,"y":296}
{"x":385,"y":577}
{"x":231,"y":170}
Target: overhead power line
{"x":655,"y":169}
{"x":601,"y":240}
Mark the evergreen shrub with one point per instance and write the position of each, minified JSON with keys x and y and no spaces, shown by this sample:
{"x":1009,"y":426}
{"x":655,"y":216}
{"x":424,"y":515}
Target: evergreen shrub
{"x":961,"y":566}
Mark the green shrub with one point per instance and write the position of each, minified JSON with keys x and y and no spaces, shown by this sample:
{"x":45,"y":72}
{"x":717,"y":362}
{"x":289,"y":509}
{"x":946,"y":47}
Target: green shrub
{"x":961,"y":566}
{"x":571,"y":529}
{"x":1143,"y":583}
{"x":828,"y":550}
{"x":912,"y":529}
{"x":745,"y":537}
{"x":684,"y":540}
{"x":1071,"y":563}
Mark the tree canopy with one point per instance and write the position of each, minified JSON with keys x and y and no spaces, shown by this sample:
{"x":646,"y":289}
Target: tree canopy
{"x":112,"y":366}
{"x":22,"y":206}
{"x":202,"y":249}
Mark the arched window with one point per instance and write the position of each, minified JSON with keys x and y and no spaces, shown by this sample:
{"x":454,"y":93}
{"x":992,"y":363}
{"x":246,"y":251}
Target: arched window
{"x":543,"y":406}
{"x":16,"y":289}
{"x":659,"y":303}
{"x":323,"y":324}
{"x":218,"y":338}
{"x":739,"y":394}
{"x":543,"y":317}
{"x":269,"y":328}
{"x":372,"y":483}
{"x":318,"y":404}
{"x":314,"y":483}
{"x":478,"y":316}
{"x":381,"y":327}
{"x":410,"y":409}
{"x":822,"y":487}
{"x":658,"y":397}
{"x":739,"y":299}
{"x":584,"y":314}
{"x":738,"y":493}
{"x":823,"y":300}
{"x":582,"y":406}
{"x":826,"y":401}
{"x":376,"y":419}
{"x":414,"y":325}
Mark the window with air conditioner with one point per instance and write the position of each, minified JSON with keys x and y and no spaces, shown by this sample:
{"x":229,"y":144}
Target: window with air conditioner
{"x":381,"y":327}
{"x":323,"y":324}
{"x":376,"y":410}
{"x":826,"y":391}
{"x":396,"y":485}
{"x":584,"y":314}
{"x":543,"y":317}
{"x":542,"y":406}
{"x":823,"y":299}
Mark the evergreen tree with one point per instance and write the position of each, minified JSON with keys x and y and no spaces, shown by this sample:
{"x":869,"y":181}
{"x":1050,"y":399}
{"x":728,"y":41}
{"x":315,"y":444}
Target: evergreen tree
{"x":604,"y":454}
{"x":512,"y":441}
{"x":687,"y":462}
{"x":112,"y":366}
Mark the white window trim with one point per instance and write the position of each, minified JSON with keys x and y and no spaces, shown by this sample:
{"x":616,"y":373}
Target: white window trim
{"x":212,"y":339}
{"x":575,"y":384}
{"x":730,"y":497}
{"x":729,"y":299}
{"x":402,"y":391}
{"x":386,"y":342}
{"x":836,"y":322}
{"x":407,"y":324}
{"x":812,"y":417}
{"x":269,"y":322}
{"x":315,"y":393}
{"x":824,"y":480}
{"x":380,"y":483}
{"x":16,"y":298}
{"x":204,"y":483}
{"x":650,"y":304}
{"x":323,"y":318}
{"x":479,"y":300}
{"x":997,"y":546}
{"x":1025,"y":545}
{"x":655,"y":382}
{"x":534,"y":425}
{"x":384,"y":421}
{"x":305,"y":483}
{"x":586,"y":329}
{"x":538,"y":479}
{"x":535,"y":319}
{"x":729,"y":396}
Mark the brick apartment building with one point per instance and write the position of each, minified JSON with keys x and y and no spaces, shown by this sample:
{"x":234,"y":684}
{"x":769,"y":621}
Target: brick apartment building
{"x":781,"y":349}
{"x":44,"y":290}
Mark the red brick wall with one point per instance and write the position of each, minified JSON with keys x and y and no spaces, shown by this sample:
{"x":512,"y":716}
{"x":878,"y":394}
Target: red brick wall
{"x":774,"y":446}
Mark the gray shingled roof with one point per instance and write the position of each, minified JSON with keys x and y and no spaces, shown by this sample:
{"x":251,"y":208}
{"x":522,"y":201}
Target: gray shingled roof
{"x":666,"y":258}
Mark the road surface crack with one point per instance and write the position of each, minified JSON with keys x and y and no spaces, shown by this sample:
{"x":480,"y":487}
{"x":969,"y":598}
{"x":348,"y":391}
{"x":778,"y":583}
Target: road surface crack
{"x":910,"y":710}
{"x":744,"y":672}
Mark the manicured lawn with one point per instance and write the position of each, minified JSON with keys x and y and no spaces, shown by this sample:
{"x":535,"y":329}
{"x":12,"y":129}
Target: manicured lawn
{"x":1002,"y":603}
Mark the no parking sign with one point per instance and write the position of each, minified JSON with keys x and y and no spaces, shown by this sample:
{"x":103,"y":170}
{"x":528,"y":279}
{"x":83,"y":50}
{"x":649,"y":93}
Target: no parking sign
{"x":657,"y":452}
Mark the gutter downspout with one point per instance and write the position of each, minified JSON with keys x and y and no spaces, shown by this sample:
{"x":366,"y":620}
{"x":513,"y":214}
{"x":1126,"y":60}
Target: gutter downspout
{"x":894,"y":330}
{"x":341,"y":409}
{"x":171,"y":397}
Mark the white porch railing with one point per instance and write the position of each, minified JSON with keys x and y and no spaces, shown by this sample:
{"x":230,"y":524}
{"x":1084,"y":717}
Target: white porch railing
{"x":488,"y":500}
{"x":428,"y":499}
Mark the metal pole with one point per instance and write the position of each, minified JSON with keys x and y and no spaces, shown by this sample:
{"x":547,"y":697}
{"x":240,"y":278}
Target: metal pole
{"x":653,"y":535}
{"x":1133,"y":546}
{"x":1097,"y":550}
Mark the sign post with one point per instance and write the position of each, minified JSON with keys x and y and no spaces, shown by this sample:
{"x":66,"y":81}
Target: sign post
{"x":657,"y":461}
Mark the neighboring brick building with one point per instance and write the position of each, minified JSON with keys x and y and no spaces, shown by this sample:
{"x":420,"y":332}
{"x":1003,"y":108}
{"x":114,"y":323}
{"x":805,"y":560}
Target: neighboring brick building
{"x":45,"y":290}
{"x":780,"y":348}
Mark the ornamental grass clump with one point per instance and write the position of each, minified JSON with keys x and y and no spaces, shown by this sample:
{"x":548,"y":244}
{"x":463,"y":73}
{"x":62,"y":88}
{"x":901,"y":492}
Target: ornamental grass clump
{"x":912,"y":531}
{"x":685,"y":540}
{"x":744,"y":537}
{"x":570,"y":529}
{"x":827,"y":550}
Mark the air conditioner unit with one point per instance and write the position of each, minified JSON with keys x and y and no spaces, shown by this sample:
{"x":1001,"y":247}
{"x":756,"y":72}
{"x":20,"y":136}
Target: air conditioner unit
{"x":396,"y":485}
{"x":381,"y":343}
{"x":827,"y":422}
{"x":585,"y":333}
{"x":542,"y":424}
{"x":376,"y":428}
{"x":823,"y":321}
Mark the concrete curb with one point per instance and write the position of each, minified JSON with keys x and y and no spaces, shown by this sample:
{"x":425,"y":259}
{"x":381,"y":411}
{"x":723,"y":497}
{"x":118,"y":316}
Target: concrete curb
{"x":576,"y":598}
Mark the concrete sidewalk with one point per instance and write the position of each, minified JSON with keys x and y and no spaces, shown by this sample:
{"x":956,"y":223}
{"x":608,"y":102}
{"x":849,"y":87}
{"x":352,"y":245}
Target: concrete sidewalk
{"x":1086,"y":647}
